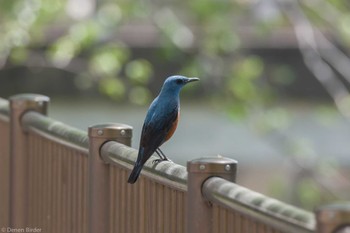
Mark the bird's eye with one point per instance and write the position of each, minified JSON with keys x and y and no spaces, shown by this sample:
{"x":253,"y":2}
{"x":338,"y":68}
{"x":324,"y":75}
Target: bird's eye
{"x":179,"y":81}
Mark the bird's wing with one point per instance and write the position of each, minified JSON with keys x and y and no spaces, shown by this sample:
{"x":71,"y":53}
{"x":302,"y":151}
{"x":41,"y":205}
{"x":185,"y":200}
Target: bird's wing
{"x":155,"y":131}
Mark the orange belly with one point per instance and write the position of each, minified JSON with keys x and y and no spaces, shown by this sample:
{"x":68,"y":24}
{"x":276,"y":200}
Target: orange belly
{"x":173,"y":127}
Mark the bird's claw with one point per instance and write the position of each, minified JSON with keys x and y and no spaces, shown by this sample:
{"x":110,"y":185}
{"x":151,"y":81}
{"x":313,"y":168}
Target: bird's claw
{"x":156,"y":161}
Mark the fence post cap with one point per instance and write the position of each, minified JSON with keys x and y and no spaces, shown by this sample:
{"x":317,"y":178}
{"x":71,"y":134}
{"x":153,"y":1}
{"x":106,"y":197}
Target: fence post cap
{"x":30,"y":96}
{"x":110,"y":130}
{"x":27,"y":101}
{"x":213,"y":164}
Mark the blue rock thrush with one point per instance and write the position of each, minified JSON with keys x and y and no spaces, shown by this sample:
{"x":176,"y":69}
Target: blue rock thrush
{"x":160,"y":122}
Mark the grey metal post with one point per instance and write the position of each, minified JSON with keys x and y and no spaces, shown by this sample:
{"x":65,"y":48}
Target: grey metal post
{"x":334,"y":218}
{"x":19,"y":104}
{"x":98,"y":187}
{"x":199,"y":214}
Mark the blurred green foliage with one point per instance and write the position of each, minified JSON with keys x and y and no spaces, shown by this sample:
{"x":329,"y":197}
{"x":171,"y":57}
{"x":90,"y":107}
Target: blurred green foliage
{"x":90,"y":44}
{"x":200,"y":36}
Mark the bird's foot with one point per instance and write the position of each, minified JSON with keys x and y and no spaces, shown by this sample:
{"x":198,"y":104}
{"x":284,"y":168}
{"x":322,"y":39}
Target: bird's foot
{"x":162,"y":155}
{"x":156,"y":161}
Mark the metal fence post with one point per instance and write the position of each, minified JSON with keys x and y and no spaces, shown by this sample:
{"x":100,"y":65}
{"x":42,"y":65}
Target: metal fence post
{"x":334,"y":218}
{"x":19,"y":104}
{"x":199,"y":214}
{"x":98,"y":187}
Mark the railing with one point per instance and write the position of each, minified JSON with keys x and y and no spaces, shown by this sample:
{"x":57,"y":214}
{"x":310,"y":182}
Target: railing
{"x":55,"y":178}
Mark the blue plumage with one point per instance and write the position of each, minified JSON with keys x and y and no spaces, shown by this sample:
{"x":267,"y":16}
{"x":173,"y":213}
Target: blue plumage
{"x":160,"y":122}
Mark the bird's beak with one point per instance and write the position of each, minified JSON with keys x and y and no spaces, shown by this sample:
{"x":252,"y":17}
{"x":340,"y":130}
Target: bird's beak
{"x":191,"y":80}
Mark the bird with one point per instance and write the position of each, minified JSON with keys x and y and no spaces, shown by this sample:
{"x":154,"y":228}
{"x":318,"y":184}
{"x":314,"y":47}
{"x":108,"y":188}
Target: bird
{"x":160,"y":122}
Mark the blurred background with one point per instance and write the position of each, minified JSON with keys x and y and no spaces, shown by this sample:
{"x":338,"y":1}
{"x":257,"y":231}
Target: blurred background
{"x":274,"y":89}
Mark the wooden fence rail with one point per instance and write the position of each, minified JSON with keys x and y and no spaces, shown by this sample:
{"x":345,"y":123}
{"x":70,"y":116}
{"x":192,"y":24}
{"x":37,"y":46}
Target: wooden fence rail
{"x":56,"y":178}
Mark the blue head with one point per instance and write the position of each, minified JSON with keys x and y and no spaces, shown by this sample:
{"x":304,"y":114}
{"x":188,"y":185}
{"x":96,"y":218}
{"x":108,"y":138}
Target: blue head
{"x":174,"y":84}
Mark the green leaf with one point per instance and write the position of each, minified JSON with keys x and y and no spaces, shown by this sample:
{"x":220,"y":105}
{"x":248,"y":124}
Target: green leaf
{"x":84,"y":33}
{"x":62,"y":51}
{"x":139,"y":71}
{"x":108,"y":60}
{"x":105,"y":63}
{"x":112,"y":87}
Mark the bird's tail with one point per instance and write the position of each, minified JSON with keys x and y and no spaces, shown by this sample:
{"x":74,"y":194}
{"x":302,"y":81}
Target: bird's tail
{"x":135,"y":173}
